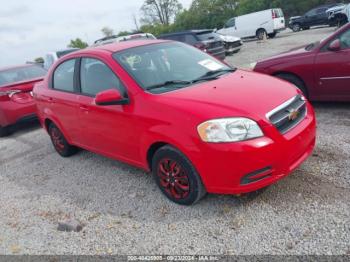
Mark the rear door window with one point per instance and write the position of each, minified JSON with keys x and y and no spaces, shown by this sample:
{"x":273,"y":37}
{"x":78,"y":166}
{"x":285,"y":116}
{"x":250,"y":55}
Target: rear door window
{"x":63,"y":77}
{"x":190,"y":39}
{"x":96,"y":76}
{"x":206,"y":36}
{"x":173,"y":37}
{"x":345,"y":40}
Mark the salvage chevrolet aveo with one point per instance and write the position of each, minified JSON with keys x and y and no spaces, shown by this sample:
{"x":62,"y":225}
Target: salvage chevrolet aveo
{"x":198,"y":124}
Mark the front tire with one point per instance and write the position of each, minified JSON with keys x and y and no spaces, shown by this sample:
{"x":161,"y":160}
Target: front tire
{"x":296,"y":27}
{"x":176,"y":176}
{"x":62,"y":147}
{"x":261,"y":34}
{"x":295,"y":81}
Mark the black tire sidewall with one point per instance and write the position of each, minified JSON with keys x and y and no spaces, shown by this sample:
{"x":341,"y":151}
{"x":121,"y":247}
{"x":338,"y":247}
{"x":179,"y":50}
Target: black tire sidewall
{"x":68,"y":149}
{"x":197,"y":190}
{"x":5,"y":131}
{"x":260,"y":34}
{"x":295,"y":81}
{"x":296,"y":28}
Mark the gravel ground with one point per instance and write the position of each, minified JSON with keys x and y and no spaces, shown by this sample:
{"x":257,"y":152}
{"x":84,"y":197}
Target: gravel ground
{"x":123,"y":212}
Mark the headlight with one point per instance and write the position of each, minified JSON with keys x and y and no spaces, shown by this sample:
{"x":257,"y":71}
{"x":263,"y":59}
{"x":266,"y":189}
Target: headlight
{"x":229,"y":130}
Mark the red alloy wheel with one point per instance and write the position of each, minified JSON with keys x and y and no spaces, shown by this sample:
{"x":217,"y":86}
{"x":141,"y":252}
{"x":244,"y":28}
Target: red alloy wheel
{"x":57,"y":139}
{"x":173,"y":178}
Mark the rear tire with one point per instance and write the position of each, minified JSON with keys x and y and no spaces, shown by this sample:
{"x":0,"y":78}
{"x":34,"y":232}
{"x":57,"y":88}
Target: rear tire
{"x":296,"y":27}
{"x":5,"y":131}
{"x":261,"y":33}
{"x":176,"y":176}
{"x":62,"y":147}
{"x":295,"y":81}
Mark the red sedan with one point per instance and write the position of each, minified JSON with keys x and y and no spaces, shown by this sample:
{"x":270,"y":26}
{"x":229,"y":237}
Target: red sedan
{"x":321,"y":70}
{"x":199,"y":125}
{"x":16,"y":100}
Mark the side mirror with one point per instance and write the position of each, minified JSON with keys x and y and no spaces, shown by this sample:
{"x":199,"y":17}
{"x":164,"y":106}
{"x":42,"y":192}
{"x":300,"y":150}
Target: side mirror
{"x":110,"y":97}
{"x":335,"y":46}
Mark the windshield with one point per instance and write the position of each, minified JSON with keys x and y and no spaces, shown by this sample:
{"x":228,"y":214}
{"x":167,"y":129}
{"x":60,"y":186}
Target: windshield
{"x":175,"y":64}
{"x":20,"y":74}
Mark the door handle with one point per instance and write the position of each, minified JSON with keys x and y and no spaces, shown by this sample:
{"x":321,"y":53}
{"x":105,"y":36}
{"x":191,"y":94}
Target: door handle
{"x":84,"y":108}
{"x":48,"y":99}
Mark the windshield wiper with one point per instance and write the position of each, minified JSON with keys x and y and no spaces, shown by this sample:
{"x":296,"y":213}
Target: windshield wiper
{"x":211,"y":75}
{"x":170,"y":82}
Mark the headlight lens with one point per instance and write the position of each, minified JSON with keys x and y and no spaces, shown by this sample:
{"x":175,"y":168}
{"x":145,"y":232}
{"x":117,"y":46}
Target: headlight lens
{"x":229,"y":130}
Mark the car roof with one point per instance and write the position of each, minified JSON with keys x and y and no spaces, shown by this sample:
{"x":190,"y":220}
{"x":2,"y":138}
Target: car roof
{"x":199,"y":31}
{"x":16,"y":66}
{"x":115,"y":47}
{"x":326,"y":5}
{"x":112,"y":37}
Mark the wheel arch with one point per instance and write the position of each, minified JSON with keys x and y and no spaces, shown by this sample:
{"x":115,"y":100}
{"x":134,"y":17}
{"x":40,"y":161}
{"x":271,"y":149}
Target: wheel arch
{"x":153,"y":148}
{"x":259,"y":29}
{"x":49,"y":120}
{"x":275,"y":74}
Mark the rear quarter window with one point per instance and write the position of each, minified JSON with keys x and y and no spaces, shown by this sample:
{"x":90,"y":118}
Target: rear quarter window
{"x":207,"y":36}
{"x":63,"y":77}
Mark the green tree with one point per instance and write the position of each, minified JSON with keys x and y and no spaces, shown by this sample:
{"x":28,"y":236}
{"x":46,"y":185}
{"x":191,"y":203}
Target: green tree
{"x":107,"y":31}
{"x":159,"y":11}
{"x":77,"y":43}
{"x":39,"y":60}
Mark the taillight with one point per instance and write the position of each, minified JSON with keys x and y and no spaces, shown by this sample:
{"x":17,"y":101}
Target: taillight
{"x":273,"y":14}
{"x":9,"y":93}
{"x":201,"y":46}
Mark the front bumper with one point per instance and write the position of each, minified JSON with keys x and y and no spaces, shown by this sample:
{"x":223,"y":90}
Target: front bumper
{"x":224,"y":168}
{"x":231,"y":47}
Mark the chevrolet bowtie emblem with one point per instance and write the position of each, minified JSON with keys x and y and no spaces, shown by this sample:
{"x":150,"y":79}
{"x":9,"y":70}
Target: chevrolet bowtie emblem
{"x":293,"y":114}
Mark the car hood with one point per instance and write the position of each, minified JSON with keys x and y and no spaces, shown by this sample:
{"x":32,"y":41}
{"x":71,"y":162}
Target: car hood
{"x":242,"y":93}
{"x":295,"y":18}
{"x":228,"y":38}
{"x":295,"y":52}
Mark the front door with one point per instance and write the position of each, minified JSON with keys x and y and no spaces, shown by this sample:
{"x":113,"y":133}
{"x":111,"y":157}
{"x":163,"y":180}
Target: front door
{"x":110,"y":129}
{"x":333,"y":70}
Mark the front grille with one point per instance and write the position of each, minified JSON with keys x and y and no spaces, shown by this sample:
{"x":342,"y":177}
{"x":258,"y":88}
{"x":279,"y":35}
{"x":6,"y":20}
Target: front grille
{"x":289,"y":114}
{"x":215,"y":44}
{"x":233,"y":44}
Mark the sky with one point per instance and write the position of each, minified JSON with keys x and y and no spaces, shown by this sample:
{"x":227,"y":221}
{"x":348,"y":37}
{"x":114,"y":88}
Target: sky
{"x":30,"y":29}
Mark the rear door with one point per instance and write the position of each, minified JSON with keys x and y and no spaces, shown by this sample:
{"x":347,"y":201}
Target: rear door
{"x":278,"y":19}
{"x":333,"y":70}
{"x":61,"y":99}
{"x":321,"y":17}
{"x":310,"y":18}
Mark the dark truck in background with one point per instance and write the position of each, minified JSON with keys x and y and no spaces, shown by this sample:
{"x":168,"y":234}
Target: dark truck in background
{"x":314,"y":17}
{"x":205,"y":40}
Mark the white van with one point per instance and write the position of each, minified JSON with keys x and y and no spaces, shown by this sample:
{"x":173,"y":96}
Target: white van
{"x":256,"y":24}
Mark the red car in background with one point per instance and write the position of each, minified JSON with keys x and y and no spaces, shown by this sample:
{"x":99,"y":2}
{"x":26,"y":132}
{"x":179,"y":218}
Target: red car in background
{"x":16,"y":100}
{"x":321,"y":70}
{"x":167,"y":107}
